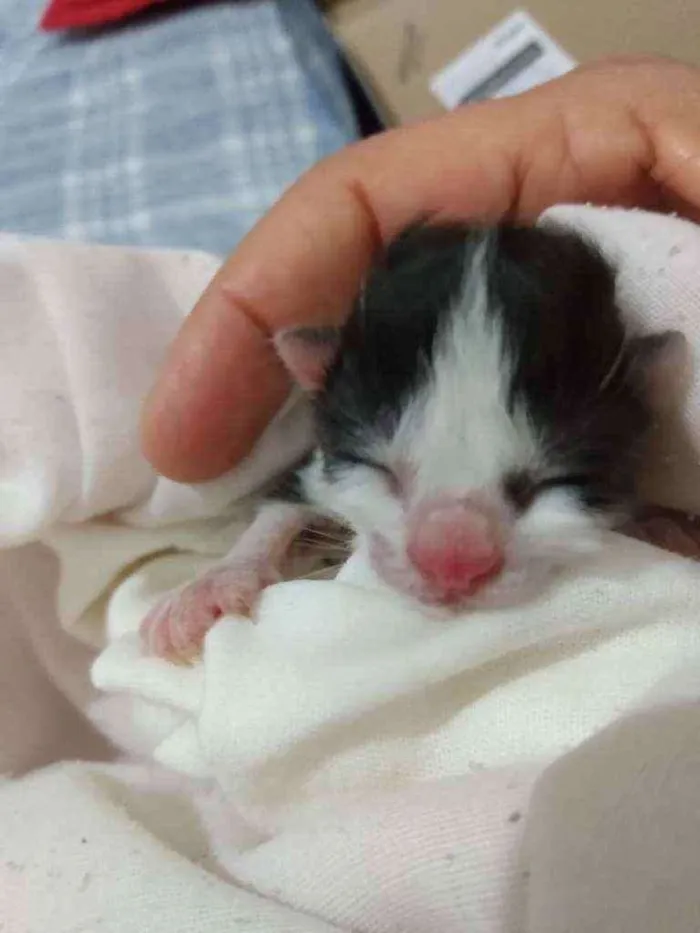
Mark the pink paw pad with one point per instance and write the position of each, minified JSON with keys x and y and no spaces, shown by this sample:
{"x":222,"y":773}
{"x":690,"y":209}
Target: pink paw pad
{"x":176,"y":626}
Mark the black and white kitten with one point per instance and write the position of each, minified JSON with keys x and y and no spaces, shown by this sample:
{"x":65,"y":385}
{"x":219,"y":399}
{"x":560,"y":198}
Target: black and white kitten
{"x":479,"y":419}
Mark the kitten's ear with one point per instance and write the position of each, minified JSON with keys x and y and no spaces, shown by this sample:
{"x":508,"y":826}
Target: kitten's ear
{"x":664,"y":361}
{"x":308,"y":353}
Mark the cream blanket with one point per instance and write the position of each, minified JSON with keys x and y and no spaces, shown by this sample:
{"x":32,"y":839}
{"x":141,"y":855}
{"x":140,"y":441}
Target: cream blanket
{"x":346,"y":763}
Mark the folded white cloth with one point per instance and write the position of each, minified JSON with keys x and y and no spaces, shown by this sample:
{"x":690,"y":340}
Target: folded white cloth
{"x":345,"y":763}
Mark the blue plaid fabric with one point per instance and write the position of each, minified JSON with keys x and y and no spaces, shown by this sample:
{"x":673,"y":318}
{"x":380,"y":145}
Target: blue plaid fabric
{"x":179,"y":130}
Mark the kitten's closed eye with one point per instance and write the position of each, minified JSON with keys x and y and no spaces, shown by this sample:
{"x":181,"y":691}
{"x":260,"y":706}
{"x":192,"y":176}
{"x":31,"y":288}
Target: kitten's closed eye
{"x":390,"y":477}
{"x":522,"y":487}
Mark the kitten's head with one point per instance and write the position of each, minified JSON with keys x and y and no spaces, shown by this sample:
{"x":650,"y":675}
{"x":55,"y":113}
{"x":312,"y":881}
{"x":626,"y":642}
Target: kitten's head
{"x":483,"y":414}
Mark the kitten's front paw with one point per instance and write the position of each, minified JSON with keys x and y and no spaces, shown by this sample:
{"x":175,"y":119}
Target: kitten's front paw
{"x":176,"y":626}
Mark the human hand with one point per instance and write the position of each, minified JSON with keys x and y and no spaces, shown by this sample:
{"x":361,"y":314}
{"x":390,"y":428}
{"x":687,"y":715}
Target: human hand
{"x":623,"y":132}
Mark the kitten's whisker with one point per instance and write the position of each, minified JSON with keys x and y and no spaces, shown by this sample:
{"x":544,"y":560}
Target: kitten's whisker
{"x":607,"y":379}
{"x":320,"y":574}
{"x":323,"y":537}
{"x":313,"y":532}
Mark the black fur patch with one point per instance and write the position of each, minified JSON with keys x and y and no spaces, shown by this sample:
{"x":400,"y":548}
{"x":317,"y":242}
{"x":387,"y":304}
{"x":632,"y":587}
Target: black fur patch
{"x":386,"y":348}
{"x":575,"y":374}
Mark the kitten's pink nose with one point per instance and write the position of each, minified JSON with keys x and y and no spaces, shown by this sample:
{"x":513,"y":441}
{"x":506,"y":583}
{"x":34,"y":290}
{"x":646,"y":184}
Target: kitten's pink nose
{"x":455,"y":547}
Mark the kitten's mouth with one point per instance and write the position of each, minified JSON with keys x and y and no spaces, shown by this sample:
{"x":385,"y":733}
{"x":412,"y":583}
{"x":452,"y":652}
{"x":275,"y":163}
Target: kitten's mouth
{"x":397,"y":572}
{"x":515,"y":583}
{"x":463,"y":595}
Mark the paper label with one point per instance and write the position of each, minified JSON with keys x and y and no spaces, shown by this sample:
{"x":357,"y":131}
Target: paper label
{"x":514,"y":57}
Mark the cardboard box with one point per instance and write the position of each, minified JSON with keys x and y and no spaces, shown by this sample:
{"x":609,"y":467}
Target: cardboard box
{"x":398,"y":47}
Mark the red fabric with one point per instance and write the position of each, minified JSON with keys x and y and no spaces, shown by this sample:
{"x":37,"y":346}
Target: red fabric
{"x":73,"y":14}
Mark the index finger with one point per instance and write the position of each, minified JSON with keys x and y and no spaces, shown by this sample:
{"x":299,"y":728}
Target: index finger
{"x":303,"y":263}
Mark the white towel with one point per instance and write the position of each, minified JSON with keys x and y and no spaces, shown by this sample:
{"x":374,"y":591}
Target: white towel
{"x":345,"y":763}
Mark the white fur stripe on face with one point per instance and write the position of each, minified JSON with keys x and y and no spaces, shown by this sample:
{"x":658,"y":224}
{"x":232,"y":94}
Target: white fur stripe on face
{"x":457,"y":432}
